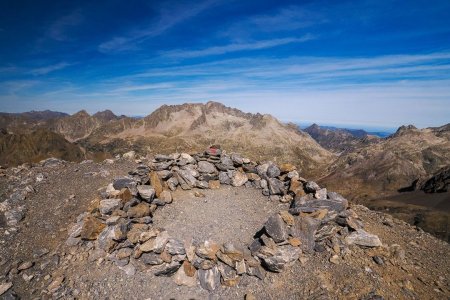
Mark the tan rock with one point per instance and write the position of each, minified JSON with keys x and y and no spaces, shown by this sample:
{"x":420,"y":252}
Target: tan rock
{"x":125,"y":195}
{"x":135,"y":232}
{"x":294,"y":241}
{"x":208,"y":250}
{"x":319,"y":214}
{"x":181,"y":278}
{"x":334,"y":259}
{"x":156,"y":183}
{"x":25,"y":265}
{"x":287,"y":217}
{"x":139,"y":211}
{"x":199,"y":194}
{"x":241,"y":267}
{"x":249,"y":296}
{"x":165,"y":196}
{"x":55,"y":284}
{"x":286,"y":168}
{"x":189,"y":269}
{"x":166,"y":257}
{"x":124,"y":253}
{"x":147,"y":246}
{"x":4,"y":287}
{"x":93,"y":205}
{"x":146,"y":235}
{"x":91,"y":228}
{"x":214,"y":184}
{"x":296,"y":187}
{"x":253,"y":176}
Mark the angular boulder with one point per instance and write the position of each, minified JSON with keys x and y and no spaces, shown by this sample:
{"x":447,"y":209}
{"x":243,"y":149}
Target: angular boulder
{"x":276,"y":228}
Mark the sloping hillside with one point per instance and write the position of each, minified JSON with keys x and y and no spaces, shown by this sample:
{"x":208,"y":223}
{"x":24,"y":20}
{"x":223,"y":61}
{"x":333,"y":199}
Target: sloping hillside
{"x":192,"y":127}
{"x":32,"y":147}
{"x":340,"y":140}
{"x":392,"y":164}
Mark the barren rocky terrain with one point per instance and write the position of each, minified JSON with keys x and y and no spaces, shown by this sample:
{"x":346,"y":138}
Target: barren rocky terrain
{"x":43,"y":201}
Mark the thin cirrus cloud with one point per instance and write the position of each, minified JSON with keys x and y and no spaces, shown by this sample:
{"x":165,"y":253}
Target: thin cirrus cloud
{"x":48,"y":69}
{"x":166,"y":20}
{"x":236,"y":47}
{"x":58,"y":30}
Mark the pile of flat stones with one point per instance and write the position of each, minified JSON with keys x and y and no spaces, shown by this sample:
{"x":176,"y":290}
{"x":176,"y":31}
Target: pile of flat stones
{"x":119,"y":227}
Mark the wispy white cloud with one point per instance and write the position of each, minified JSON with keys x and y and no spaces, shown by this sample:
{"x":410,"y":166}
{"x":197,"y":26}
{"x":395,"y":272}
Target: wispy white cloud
{"x":286,"y":19}
{"x":142,"y":87}
{"x":236,"y":47}
{"x":389,"y":90}
{"x":58,"y":30}
{"x":167,"y":19}
{"x":48,"y":69}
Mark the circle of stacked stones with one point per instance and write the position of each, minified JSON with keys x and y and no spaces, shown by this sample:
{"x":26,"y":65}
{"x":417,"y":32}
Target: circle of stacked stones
{"x":120,"y":224}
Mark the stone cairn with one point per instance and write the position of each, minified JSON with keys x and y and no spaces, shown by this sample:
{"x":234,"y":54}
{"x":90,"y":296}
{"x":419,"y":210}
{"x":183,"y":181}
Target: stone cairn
{"x":119,"y":225}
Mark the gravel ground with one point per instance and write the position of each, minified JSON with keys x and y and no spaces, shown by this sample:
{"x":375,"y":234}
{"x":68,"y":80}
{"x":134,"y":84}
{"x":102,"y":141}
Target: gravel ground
{"x":227,"y":214}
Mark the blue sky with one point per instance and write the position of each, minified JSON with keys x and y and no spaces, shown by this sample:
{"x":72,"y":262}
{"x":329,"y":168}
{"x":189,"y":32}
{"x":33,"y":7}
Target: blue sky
{"x":372,"y":63}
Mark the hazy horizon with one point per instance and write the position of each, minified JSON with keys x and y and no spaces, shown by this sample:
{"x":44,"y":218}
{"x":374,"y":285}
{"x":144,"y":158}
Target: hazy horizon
{"x":371,"y":63}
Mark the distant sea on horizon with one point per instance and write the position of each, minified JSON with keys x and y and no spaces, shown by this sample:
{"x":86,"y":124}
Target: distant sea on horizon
{"x":374,"y":130}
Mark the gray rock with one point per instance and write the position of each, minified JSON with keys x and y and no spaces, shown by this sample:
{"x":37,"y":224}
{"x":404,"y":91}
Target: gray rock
{"x":237,"y":159}
{"x":273,"y":171}
{"x":160,"y":166}
{"x":172,"y":183}
{"x":121,"y":183}
{"x":282,"y":256}
{"x":106,"y":239}
{"x":336,"y":197}
{"x":146,"y":192}
{"x":162,"y":157}
{"x":187,"y":177}
{"x":202,"y":184}
{"x":256,"y":271}
{"x":255,"y":246}
{"x":276,"y":228}
{"x":175,"y":247}
{"x":363,"y":238}
{"x":262,"y":170}
{"x":151,"y":259}
{"x":164,"y":174}
{"x":313,"y":205}
{"x":158,"y":202}
{"x":224,"y":178}
{"x":305,"y":229}
{"x":311,"y":187}
{"x":226,"y":163}
{"x":201,"y":263}
{"x":276,"y":186}
{"x":227,"y":272}
{"x":166,"y":269}
{"x":209,"y":279}
{"x":206,"y":167}
{"x":160,"y":242}
{"x":263,"y":183}
{"x":14,"y":216}
{"x":321,"y":194}
{"x":107,"y":206}
{"x":378,"y":260}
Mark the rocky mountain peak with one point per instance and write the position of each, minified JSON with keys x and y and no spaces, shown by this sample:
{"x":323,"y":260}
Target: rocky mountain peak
{"x":404,"y":129}
{"x":106,"y":115}
{"x":82,"y":113}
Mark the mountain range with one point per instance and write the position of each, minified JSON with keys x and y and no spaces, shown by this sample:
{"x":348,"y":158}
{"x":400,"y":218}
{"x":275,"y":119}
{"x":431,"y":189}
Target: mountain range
{"x":364,"y":167}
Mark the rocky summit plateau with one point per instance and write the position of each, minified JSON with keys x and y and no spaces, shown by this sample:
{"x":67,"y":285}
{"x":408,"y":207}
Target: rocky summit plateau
{"x":212,"y":224}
